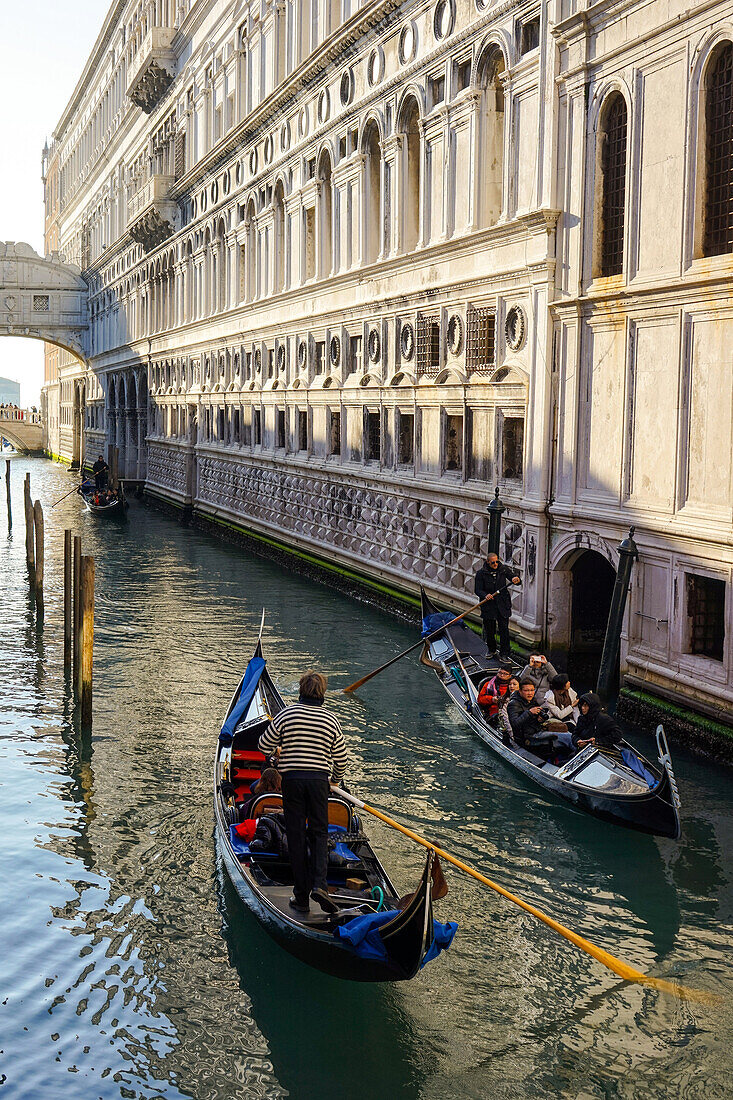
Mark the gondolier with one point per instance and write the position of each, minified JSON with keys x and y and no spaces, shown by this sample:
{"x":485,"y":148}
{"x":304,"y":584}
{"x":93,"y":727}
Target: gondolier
{"x":311,"y":751}
{"x":100,"y":469}
{"x":494,"y":577}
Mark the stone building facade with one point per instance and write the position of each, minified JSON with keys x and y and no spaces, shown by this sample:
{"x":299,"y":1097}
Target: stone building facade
{"x":352,"y":266}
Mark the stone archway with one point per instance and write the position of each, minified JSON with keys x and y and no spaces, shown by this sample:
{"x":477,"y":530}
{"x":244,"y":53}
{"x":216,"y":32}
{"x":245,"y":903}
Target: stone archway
{"x":582,"y":573}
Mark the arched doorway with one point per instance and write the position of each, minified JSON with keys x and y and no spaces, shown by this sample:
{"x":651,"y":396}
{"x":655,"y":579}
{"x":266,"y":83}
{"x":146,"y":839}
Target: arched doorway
{"x":592,"y":582}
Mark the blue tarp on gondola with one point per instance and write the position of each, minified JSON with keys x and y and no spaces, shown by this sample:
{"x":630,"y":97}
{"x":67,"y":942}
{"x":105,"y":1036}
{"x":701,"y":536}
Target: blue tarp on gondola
{"x":632,"y":761}
{"x":435,"y":621}
{"x":255,"y":668}
{"x":362,"y":935}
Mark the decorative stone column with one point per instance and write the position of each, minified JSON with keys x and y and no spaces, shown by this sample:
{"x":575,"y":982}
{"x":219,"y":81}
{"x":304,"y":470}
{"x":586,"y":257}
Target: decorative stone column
{"x":393,"y":174}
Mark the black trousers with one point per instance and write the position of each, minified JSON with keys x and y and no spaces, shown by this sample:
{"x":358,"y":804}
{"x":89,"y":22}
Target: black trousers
{"x":305,"y":799}
{"x":502,"y":621}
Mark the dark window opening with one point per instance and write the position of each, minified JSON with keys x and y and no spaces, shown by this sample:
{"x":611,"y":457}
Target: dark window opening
{"x":220,"y":433}
{"x":280,"y":428}
{"x":454,"y":442}
{"x":613,"y":173}
{"x":270,"y":363}
{"x":480,"y":339}
{"x":463,"y":75}
{"x":320,"y":356}
{"x":302,"y":430}
{"x":236,"y":427}
{"x":437,"y":90}
{"x":335,"y":434}
{"x":529,"y":38}
{"x":406,"y":439}
{"x":247,"y":433}
{"x":512,"y":448}
{"x":718,"y":236}
{"x":373,"y":441}
{"x":257,"y":427}
{"x":706,"y":616}
{"x":355,"y":354}
{"x":428,"y":344}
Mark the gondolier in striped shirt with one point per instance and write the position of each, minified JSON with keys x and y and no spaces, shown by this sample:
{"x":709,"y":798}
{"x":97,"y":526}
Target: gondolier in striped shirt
{"x":311,"y":751}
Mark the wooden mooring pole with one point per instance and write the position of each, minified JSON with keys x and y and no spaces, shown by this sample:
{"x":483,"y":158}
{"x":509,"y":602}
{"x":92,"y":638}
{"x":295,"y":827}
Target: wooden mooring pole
{"x":87,"y":646}
{"x":7,"y":488}
{"x":77,"y":614}
{"x":67,"y":601}
{"x":30,"y":534}
{"x":38,"y":525}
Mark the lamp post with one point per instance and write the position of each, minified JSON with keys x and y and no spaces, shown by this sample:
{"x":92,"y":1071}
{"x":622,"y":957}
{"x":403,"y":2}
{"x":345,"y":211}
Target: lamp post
{"x":628,"y":553}
{"x":496,"y":510}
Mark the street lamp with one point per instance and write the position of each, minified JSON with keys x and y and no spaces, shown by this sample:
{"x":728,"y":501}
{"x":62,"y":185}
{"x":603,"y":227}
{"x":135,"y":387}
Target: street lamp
{"x":628,"y":553}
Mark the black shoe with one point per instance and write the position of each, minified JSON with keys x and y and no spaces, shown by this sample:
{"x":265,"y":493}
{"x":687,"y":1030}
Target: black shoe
{"x":295,"y":904}
{"x":324,"y":900}
{"x":505,"y":656}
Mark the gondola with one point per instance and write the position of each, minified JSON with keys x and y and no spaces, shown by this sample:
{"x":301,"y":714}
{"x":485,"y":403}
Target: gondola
{"x":617,"y":785}
{"x":113,"y":507}
{"x":370,"y":938}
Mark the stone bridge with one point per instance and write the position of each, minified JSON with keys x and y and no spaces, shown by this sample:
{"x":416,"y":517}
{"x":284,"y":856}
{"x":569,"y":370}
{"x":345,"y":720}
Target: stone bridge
{"x":22,"y":428}
{"x":43,"y":297}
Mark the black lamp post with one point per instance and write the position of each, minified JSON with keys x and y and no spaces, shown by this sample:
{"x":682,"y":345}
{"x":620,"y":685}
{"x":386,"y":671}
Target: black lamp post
{"x":496,"y":510}
{"x":628,"y":553}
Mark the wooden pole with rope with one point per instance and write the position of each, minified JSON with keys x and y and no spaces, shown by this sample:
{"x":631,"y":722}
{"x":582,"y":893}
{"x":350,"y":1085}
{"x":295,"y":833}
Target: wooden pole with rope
{"x":622,"y":969}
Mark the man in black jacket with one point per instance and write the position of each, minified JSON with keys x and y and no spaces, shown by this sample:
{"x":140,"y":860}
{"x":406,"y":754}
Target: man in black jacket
{"x":494,"y":578}
{"x":525,"y":714}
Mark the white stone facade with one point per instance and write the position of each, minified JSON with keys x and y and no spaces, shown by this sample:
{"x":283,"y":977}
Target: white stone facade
{"x":348,"y":271}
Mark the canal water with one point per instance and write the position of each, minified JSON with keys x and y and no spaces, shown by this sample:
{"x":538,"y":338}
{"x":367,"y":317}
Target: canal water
{"x":128,"y":968}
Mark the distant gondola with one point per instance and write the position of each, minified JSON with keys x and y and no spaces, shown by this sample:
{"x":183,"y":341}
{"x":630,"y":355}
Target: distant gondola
{"x":358,"y":884}
{"x":113,"y":504}
{"x":619,"y":786}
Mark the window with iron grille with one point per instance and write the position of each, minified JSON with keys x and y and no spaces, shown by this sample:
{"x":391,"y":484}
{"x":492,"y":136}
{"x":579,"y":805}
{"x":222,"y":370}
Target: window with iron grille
{"x":406,"y":438}
{"x":512,"y":448}
{"x":428,"y":343}
{"x":706,"y":616}
{"x":257,"y":427}
{"x":280,"y":428}
{"x":613,"y":174}
{"x":453,"y":443}
{"x":480,"y":340}
{"x":302,"y":430}
{"x":372,"y":436}
{"x":718,"y":237}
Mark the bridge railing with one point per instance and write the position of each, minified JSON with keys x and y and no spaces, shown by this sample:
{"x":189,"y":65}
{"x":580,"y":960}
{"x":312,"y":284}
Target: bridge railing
{"x":11,"y":412}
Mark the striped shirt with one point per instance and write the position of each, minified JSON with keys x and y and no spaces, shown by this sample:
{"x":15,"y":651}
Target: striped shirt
{"x":309,"y":738}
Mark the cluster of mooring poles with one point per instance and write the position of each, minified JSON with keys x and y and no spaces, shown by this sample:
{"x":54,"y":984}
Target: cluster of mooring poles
{"x":78,"y":596}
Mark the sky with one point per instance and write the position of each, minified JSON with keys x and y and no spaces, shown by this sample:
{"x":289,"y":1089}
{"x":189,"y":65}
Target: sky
{"x":44,"y":45}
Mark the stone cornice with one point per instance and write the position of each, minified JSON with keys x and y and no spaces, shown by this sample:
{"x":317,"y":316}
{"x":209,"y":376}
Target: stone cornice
{"x":103,"y":40}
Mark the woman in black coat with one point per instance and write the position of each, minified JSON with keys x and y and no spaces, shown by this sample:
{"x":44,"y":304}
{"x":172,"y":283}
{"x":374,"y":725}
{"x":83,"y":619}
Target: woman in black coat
{"x":594,"y":726}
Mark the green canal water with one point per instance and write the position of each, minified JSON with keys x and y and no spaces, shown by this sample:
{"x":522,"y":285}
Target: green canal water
{"x":128,"y":968}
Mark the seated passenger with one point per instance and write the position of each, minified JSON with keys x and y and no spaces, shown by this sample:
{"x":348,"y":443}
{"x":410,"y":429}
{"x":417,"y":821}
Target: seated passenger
{"x":494,"y":692}
{"x":504,"y":722}
{"x":270,"y":782}
{"x":561,"y":700}
{"x":539,"y":671}
{"x":594,"y":726}
{"x":527,"y":719}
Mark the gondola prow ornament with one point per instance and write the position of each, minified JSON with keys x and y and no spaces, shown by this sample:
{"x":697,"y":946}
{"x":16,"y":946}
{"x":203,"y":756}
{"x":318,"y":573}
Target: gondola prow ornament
{"x":628,"y":553}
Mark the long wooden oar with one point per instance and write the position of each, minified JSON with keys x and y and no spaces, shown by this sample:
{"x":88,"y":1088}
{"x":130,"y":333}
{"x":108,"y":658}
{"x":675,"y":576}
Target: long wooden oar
{"x":628,"y":973}
{"x":427,"y":638}
{"x":87,"y":481}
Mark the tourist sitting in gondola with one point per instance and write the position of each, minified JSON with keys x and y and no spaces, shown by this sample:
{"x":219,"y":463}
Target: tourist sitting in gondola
{"x":540,"y":671}
{"x":562,"y":701}
{"x":494,"y":691}
{"x":594,"y":726}
{"x":527,"y":718}
{"x":270,"y":782}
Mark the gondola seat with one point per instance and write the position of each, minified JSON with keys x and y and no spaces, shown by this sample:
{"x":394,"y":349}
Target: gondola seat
{"x":339,"y":812}
{"x":243,"y":774}
{"x":247,"y":757}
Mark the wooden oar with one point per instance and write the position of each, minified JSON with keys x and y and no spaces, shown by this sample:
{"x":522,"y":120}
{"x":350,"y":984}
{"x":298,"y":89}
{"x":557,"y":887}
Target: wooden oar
{"x":628,"y":973}
{"x":427,"y":638}
{"x":87,"y":481}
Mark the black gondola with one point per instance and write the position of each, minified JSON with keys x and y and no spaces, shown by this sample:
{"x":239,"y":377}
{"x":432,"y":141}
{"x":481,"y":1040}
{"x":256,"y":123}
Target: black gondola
{"x":358,"y":884}
{"x":609,"y":784}
{"x":113,"y":504}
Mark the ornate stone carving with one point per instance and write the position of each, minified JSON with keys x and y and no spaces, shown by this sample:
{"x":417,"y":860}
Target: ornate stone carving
{"x":151,"y":87}
{"x":151,"y":230}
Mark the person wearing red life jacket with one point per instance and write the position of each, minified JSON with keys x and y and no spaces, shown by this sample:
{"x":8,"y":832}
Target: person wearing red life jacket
{"x":494,"y":692}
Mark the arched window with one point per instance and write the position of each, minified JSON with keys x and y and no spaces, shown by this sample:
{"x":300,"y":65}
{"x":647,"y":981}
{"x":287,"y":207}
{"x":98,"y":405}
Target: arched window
{"x":411,"y":192}
{"x":326,"y":215}
{"x":372,"y":147}
{"x":279,"y":258}
{"x":491,"y":200}
{"x":718,"y":218}
{"x":612,"y":147}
